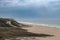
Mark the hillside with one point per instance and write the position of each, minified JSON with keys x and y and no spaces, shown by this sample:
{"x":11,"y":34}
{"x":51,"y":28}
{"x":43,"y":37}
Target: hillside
{"x":5,"y":22}
{"x":9,"y":28}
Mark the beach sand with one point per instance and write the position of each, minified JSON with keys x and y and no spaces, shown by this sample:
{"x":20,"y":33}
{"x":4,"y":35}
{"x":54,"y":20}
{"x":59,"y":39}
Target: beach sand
{"x":45,"y":30}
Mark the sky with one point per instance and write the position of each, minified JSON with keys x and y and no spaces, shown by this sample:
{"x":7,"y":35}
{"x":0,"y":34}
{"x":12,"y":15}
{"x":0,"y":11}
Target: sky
{"x":30,"y":9}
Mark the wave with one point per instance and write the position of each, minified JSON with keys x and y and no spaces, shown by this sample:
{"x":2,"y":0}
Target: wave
{"x":40,"y":24}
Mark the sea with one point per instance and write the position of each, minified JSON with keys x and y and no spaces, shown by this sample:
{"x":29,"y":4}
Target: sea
{"x":49,"y":23}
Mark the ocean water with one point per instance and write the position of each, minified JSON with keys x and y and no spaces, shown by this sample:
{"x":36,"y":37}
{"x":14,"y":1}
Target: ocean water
{"x":49,"y":23}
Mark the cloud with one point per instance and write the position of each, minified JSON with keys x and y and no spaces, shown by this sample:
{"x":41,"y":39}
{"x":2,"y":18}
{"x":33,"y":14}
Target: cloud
{"x":31,"y":8}
{"x":14,"y":3}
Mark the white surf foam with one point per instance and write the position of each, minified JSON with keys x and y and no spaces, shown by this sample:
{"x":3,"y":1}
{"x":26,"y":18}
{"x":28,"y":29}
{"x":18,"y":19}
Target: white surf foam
{"x":30,"y":23}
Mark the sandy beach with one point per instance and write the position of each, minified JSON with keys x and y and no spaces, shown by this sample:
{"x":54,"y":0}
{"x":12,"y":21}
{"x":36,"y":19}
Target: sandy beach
{"x":45,"y":30}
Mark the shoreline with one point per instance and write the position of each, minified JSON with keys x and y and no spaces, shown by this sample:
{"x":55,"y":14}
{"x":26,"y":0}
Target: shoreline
{"x":45,"y":30}
{"x":48,"y":25}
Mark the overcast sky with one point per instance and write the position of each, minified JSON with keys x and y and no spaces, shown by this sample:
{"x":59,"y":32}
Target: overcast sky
{"x":30,"y":9}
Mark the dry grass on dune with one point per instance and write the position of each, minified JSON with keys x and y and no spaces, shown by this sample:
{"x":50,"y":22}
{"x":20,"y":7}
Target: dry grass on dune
{"x":14,"y":32}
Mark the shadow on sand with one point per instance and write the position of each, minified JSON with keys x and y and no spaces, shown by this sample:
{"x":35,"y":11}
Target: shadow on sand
{"x":31,"y":36}
{"x":36,"y":35}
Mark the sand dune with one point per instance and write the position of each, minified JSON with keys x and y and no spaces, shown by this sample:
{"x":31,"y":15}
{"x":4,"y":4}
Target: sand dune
{"x":45,"y":30}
